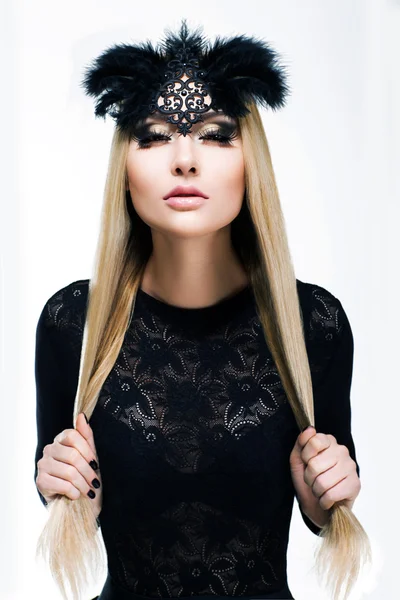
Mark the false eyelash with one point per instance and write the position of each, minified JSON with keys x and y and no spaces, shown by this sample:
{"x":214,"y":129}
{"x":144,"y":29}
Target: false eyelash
{"x":213,"y":134}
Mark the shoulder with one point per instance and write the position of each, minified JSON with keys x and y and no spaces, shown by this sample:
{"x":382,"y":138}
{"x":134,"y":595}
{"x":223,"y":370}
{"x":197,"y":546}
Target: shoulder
{"x":324,"y":317}
{"x":62,"y":318}
{"x":66,"y":305}
{"x":327,"y":331}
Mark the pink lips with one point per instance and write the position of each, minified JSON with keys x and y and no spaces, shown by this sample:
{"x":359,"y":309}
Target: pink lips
{"x":185,"y":202}
{"x":186,"y":191}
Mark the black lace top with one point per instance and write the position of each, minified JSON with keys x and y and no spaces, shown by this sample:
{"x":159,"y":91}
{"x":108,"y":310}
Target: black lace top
{"x":193,"y":433}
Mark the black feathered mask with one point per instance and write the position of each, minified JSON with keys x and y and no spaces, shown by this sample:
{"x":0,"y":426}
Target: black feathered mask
{"x":132,"y":82}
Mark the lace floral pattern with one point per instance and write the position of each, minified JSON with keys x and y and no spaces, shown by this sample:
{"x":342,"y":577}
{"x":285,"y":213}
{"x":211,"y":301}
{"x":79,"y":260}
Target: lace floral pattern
{"x":190,"y":400}
{"x":173,"y":556}
{"x":193,"y":432}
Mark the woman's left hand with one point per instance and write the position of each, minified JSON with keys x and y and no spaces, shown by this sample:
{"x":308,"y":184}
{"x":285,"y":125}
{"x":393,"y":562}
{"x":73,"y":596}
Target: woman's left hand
{"x":323,"y":471}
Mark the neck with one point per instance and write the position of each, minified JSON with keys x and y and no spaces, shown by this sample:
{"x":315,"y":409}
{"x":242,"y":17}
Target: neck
{"x":193,"y":272}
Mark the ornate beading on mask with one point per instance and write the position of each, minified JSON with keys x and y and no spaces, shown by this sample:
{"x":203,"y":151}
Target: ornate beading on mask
{"x":183,"y":99}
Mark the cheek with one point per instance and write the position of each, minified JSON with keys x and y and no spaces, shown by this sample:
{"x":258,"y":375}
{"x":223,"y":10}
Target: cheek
{"x":227,"y":181}
{"x":236,"y":174}
{"x":140,"y":175}
{"x":148,"y":181}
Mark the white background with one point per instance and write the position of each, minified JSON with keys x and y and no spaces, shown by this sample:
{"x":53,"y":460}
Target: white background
{"x":335,"y":149}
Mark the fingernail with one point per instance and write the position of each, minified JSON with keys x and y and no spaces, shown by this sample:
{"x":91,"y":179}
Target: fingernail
{"x":94,"y":465}
{"x":306,"y":428}
{"x":96,"y":483}
{"x":91,"y":494}
{"x":86,"y":418}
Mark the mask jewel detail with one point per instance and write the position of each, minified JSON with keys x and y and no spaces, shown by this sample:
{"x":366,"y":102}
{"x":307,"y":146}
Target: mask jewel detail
{"x":181,"y":99}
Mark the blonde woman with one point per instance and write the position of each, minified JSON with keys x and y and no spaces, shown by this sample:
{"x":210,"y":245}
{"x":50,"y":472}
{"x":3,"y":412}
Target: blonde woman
{"x":175,"y":387}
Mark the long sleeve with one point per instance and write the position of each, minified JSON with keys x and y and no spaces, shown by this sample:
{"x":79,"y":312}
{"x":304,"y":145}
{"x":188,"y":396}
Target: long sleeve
{"x":54,"y":396}
{"x":332,"y":407}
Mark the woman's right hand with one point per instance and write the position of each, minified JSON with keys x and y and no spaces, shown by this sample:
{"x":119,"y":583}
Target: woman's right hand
{"x":65,"y":466}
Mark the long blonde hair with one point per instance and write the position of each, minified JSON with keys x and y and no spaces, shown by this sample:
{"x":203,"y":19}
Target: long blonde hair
{"x":69,"y":541}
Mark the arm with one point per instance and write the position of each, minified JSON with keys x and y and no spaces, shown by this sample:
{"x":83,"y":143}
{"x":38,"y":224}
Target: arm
{"x":332,"y":407}
{"x":54,"y":394}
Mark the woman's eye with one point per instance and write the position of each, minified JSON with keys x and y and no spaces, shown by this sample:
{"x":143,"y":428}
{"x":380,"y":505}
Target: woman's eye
{"x":212,"y":135}
{"x":216,"y":135}
{"x":145,"y":142}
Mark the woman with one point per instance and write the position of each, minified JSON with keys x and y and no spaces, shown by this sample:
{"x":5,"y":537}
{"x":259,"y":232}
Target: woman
{"x":172,"y":385}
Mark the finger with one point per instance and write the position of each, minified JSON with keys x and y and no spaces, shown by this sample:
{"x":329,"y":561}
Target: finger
{"x":316,"y":444}
{"x":321,"y":476}
{"x":303,"y":437}
{"x":72,"y":437}
{"x":332,"y":476}
{"x":61,"y":478}
{"x":340,"y":491}
{"x":86,"y":431}
{"x":70,"y":455}
{"x":321,"y":462}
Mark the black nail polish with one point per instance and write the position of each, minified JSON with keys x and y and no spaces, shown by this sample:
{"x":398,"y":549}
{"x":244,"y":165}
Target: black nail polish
{"x":91,"y":494}
{"x":94,"y":465}
{"x":96,"y":483}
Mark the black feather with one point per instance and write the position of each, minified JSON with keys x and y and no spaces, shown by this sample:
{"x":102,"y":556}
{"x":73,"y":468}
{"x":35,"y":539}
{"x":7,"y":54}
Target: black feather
{"x":125,"y":78}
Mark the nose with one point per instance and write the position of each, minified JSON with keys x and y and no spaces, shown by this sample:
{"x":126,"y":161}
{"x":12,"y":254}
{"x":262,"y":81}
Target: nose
{"x":184,"y":158}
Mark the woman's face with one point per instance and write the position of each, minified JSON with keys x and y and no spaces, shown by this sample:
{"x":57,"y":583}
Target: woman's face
{"x":214,"y":166}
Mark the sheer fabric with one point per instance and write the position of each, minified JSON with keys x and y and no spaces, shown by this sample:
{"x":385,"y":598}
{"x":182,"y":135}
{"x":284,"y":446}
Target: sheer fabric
{"x":193,"y":432}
